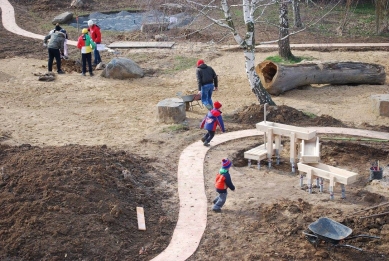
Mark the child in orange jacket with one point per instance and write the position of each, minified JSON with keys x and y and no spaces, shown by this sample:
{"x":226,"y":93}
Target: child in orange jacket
{"x":222,"y":183}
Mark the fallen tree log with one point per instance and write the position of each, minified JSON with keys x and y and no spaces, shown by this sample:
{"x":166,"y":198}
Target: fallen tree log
{"x":279,"y":78}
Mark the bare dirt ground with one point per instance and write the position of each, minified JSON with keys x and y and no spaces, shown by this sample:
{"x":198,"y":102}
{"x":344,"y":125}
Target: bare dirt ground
{"x":66,"y":145}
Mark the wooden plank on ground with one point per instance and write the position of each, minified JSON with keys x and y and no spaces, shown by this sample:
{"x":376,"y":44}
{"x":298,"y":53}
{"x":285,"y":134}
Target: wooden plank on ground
{"x":141,"y":218}
{"x":128,"y":44}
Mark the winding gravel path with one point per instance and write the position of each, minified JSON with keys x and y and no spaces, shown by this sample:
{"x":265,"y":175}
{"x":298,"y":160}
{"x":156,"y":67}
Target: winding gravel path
{"x":192,"y":217}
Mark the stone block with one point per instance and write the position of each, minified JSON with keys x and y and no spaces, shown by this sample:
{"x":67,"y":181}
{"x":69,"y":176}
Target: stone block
{"x":171,"y":110}
{"x":381,"y":104}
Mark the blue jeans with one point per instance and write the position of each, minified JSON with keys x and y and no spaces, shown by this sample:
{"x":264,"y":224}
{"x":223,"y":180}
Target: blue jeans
{"x":206,"y":95}
{"x":220,"y":200}
{"x":96,"y":53}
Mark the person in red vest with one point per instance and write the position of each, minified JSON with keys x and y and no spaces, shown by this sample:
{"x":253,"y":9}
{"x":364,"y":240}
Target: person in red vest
{"x":95,"y":33}
{"x":222,"y":183}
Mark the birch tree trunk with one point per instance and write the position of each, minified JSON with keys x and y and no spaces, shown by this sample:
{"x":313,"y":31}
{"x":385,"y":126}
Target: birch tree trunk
{"x":248,"y":44}
{"x":283,"y":44}
{"x":296,"y":14}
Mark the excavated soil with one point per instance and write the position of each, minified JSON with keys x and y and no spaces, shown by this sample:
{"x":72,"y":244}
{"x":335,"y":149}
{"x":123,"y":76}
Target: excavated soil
{"x":67,"y":196}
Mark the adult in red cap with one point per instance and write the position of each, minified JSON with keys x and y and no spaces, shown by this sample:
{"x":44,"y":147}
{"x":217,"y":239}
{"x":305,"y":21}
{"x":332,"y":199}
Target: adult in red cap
{"x":222,"y":183}
{"x":211,"y":121}
{"x":207,"y":82}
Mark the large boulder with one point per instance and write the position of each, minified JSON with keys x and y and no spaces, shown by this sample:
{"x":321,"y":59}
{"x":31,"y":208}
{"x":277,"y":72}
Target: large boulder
{"x":170,"y":8}
{"x":77,"y":3}
{"x":122,"y":68}
{"x":63,"y":18}
{"x":154,"y":27}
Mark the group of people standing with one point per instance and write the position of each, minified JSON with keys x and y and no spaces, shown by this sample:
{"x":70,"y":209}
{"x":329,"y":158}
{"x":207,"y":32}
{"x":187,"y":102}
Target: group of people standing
{"x":56,"y":43}
{"x":207,"y":83}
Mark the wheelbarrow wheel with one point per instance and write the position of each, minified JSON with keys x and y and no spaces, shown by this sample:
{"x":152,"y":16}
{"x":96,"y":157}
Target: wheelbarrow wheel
{"x":314,"y":240}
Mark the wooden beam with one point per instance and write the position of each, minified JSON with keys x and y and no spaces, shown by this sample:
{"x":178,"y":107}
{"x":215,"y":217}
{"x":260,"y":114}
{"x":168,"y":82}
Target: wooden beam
{"x":141,"y":218}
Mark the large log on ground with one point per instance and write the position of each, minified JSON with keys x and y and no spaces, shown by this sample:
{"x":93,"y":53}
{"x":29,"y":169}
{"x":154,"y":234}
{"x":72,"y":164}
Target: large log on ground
{"x":171,"y":110}
{"x":279,"y":78}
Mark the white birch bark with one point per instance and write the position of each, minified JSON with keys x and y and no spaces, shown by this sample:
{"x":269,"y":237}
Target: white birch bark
{"x":248,"y":44}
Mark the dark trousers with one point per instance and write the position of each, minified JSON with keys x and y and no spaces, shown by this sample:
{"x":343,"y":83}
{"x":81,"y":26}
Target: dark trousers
{"x":86,"y":57}
{"x":209,"y":136}
{"x":54,"y":53}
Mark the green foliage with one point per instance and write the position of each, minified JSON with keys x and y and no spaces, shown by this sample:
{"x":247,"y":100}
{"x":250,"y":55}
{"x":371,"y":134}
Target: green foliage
{"x":295,"y":59}
{"x":176,"y":128}
{"x":310,"y":114}
{"x":364,"y":8}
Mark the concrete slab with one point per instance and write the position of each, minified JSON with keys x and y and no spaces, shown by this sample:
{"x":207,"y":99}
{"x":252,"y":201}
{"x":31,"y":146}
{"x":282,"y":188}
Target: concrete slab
{"x":127,"y":44}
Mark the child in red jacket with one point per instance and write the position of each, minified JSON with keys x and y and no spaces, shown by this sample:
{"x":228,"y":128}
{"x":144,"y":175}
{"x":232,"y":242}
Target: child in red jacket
{"x":222,"y":182}
{"x":211,"y":121}
{"x":86,"y":45}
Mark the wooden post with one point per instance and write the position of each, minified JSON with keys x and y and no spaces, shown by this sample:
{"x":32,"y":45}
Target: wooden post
{"x":332,"y":184}
{"x":293,"y":150}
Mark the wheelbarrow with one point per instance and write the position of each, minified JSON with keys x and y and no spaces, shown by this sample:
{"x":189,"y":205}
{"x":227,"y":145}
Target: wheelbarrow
{"x":331,"y":232}
{"x":191,"y":100}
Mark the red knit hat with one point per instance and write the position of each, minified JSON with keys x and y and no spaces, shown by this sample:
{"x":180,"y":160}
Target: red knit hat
{"x":217,"y":105}
{"x":226,"y":163}
{"x":200,"y":62}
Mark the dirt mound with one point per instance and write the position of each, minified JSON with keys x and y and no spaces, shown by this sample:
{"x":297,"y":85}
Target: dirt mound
{"x":71,"y":65}
{"x":59,"y":202}
{"x":287,"y":217}
{"x":283,"y":114}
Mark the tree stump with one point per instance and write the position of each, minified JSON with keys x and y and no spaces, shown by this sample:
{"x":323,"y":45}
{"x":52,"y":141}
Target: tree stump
{"x":171,"y":110}
{"x":279,"y":78}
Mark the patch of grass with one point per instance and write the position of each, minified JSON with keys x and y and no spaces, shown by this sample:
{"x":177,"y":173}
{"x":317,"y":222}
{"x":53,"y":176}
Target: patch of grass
{"x":181,"y":63}
{"x":364,"y":8}
{"x":296,"y":59}
{"x":176,"y":128}
{"x":310,"y":114}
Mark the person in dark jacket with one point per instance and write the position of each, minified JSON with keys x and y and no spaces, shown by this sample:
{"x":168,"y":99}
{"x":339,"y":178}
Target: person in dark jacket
{"x":222,"y":183}
{"x":211,"y":121}
{"x":207,"y":82}
{"x":55,"y":47}
{"x":58,"y":28}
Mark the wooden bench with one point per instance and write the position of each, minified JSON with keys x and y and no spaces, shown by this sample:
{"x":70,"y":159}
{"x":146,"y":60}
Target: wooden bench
{"x":259,"y":153}
{"x":333,"y":174}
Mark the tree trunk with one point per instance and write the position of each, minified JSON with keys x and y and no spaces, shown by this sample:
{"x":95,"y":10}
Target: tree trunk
{"x":296,"y":14}
{"x":279,"y":78}
{"x":248,"y":44}
{"x":283,"y":44}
